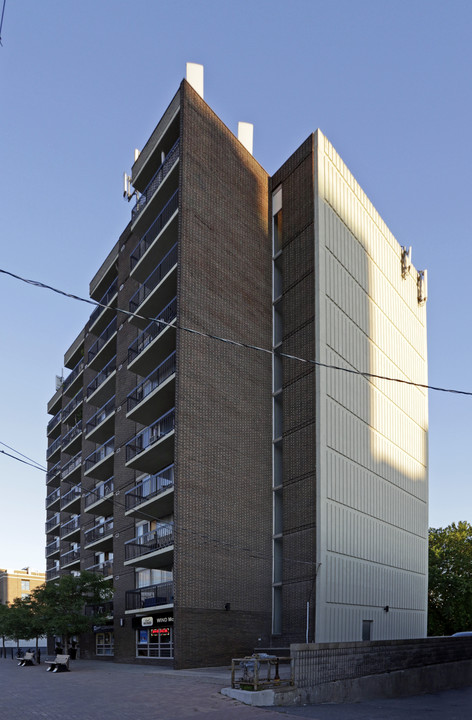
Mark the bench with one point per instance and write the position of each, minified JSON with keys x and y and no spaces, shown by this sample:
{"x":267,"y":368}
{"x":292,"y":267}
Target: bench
{"x":59,"y":664}
{"x":27,"y":659}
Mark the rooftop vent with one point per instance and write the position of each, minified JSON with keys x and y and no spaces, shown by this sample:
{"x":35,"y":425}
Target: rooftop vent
{"x":194,"y":77}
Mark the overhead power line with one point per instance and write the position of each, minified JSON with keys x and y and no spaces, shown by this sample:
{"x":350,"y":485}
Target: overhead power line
{"x":201,"y":536}
{"x":40,"y":467}
{"x":1,"y":20}
{"x":37,"y":467}
{"x":237,"y":343}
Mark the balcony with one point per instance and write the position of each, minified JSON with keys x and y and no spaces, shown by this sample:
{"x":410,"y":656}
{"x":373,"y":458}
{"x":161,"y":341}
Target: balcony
{"x":148,"y":197}
{"x":54,"y":449}
{"x":72,"y":439}
{"x":72,"y":557}
{"x":72,"y":407}
{"x":156,"y":241}
{"x":54,"y":425}
{"x":53,"y":523}
{"x":155,"y":343}
{"x":153,"y":446}
{"x":52,"y":500}
{"x":99,"y":464}
{"x":154,"y":394}
{"x":101,"y":386}
{"x":52,"y":548}
{"x":99,"y":501}
{"x":52,"y":573}
{"x":71,"y":529}
{"x":105,"y":610}
{"x":100,"y":537}
{"x":53,"y":475}
{"x":150,"y":597}
{"x":153,"y":549}
{"x":72,"y":470}
{"x":153,"y":496}
{"x":100,"y":425}
{"x":71,"y":381}
{"x":103,"y":348}
{"x":157,"y":290}
{"x":106,"y":309}
{"x":103,"y":568}
{"x":71,"y":500}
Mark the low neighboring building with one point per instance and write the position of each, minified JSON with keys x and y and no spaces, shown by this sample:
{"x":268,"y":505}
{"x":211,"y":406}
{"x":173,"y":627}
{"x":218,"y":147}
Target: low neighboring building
{"x":18,"y":583}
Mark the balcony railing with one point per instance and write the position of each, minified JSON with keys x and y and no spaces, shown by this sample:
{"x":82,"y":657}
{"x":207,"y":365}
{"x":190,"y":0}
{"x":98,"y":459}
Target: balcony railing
{"x":53,"y":497}
{"x":165,"y":318}
{"x":52,"y":573}
{"x":99,"y":492}
{"x":74,"y":493}
{"x":73,"y":404}
{"x":54,"y":421}
{"x":153,"y":280}
{"x":71,"y":465}
{"x":161,"y":537}
{"x":101,"y":415}
{"x":73,"y":433}
{"x":150,"y":487}
{"x":52,"y":522}
{"x":74,"y":373}
{"x":153,"y":231}
{"x":110,"y":293}
{"x":100,"y":453}
{"x":161,"y":594}
{"x":53,"y":447}
{"x":52,"y":547}
{"x":150,"y":435}
{"x":102,"y":568}
{"x":102,"y":340}
{"x":70,"y":557}
{"x":54,"y":472}
{"x":160,"y":175}
{"x":102,"y":376}
{"x":70,"y":526}
{"x":98,"y":532}
{"x":156,"y":378}
{"x":105,"y":610}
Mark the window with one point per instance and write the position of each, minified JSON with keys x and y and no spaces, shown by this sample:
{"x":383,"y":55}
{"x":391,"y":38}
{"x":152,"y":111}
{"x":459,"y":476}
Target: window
{"x":145,"y":578}
{"x":104,"y":643}
{"x":277,"y":232}
{"x":25,"y":585}
{"x":156,"y":642}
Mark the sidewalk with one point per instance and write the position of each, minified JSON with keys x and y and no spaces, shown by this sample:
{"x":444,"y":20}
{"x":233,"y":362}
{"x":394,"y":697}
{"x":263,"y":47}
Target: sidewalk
{"x":95,"y":690}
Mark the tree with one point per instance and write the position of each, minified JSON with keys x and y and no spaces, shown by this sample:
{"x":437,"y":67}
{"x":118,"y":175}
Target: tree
{"x":450,"y":579}
{"x":19,"y":620}
{"x":3,"y":625}
{"x":59,"y":605}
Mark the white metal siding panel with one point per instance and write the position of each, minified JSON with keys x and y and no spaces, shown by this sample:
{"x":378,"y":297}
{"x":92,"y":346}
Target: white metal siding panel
{"x":372,"y":442}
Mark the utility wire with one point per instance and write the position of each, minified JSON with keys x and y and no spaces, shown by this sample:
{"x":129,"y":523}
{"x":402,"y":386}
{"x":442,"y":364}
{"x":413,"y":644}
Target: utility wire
{"x":40,"y":467}
{"x":237,"y":343}
{"x":37,"y":467}
{"x":205,"y":538}
{"x":1,"y":20}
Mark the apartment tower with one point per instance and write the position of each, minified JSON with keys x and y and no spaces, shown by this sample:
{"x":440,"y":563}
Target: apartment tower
{"x":236,"y":497}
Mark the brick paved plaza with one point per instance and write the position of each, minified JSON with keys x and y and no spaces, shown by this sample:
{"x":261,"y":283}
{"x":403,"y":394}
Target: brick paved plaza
{"x":95,"y":690}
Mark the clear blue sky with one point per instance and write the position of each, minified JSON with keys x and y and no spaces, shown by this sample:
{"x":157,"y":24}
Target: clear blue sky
{"x":84,"y":83}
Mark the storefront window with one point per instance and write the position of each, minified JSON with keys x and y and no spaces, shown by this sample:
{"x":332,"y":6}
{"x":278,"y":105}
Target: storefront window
{"x":104,"y":643}
{"x":155,"y":642}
